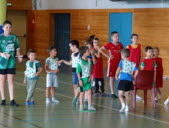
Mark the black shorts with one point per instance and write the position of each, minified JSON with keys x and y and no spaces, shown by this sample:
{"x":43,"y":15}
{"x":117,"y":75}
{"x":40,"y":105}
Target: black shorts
{"x":8,"y":71}
{"x":125,"y":85}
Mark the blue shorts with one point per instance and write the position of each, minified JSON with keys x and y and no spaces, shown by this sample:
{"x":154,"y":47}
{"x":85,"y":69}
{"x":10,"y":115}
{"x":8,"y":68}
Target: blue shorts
{"x":74,"y":78}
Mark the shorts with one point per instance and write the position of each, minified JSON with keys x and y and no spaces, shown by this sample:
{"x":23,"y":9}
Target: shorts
{"x":74,"y":78}
{"x":125,"y":85}
{"x":51,"y":80}
{"x":8,"y":71}
{"x":111,"y":71}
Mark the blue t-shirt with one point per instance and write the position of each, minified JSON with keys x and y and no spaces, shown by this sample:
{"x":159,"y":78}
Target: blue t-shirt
{"x":127,"y":68}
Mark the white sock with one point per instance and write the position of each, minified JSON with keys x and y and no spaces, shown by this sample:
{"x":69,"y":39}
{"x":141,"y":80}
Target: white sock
{"x":47,"y":99}
{"x":123,"y":105}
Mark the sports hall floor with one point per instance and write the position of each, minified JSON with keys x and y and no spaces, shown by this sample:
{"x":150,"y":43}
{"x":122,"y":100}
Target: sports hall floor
{"x":64,"y":115}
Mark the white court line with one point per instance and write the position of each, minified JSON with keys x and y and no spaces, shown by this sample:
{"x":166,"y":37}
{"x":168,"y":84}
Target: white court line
{"x":69,"y":97}
{"x":71,"y":84}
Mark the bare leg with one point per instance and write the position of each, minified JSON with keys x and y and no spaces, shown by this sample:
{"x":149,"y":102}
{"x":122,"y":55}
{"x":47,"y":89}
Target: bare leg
{"x":121,"y":94}
{"x":81,"y":98}
{"x":76,"y":92}
{"x":10,"y":78}
{"x":53,"y":91}
{"x":127,"y":98}
{"x":112,"y":85}
{"x":48,"y":91}
{"x":2,"y":86}
{"x":89,"y":96}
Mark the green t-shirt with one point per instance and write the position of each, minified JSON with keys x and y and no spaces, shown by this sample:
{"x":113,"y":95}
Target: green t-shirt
{"x":8,"y":44}
{"x":84,"y":68}
{"x":32,"y":68}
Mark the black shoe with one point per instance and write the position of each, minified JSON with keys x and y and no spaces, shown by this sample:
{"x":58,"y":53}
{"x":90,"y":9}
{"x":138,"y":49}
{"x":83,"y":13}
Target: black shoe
{"x":113,"y":96}
{"x":13,"y":103}
{"x":3,"y":102}
{"x":104,"y":94}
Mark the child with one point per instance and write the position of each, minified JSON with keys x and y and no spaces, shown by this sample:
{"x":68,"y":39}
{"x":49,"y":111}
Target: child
{"x":149,"y":62}
{"x":9,"y":47}
{"x":159,"y":71}
{"x":97,"y":73}
{"x":83,"y":71}
{"x":51,"y":66}
{"x":125,"y":71}
{"x":74,"y":46}
{"x":33,"y":69}
{"x":135,"y":53}
{"x":114,"y":57}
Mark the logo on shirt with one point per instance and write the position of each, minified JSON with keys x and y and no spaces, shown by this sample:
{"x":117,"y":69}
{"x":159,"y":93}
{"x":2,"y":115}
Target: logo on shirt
{"x":3,"y":41}
{"x":10,"y":47}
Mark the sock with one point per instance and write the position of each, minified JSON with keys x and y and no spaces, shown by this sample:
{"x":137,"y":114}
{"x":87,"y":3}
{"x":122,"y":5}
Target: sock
{"x":127,"y":107}
{"x":123,"y":105}
{"x":47,"y":99}
{"x":85,"y":99}
{"x":75,"y":96}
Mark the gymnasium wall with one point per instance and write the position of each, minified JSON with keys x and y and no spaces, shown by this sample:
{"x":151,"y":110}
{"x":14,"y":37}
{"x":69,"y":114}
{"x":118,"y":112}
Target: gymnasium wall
{"x":151,"y":25}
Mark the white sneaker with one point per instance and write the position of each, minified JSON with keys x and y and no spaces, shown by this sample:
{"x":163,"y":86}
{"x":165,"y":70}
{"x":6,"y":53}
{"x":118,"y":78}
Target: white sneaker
{"x":122,"y":109}
{"x":126,"y":109}
{"x":55,"y":101}
{"x":47,"y":101}
{"x":91,"y":108}
{"x":166,"y":102}
{"x":138,"y":97}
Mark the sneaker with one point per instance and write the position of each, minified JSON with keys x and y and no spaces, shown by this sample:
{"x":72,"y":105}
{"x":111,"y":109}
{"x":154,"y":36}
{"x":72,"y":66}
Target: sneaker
{"x":166,"y":102}
{"x":122,"y":109}
{"x":126,"y":109}
{"x":32,"y":103}
{"x":27,"y":103}
{"x":13,"y":103}
{"x":55,"y":101}
{"x":138,"y":97}
{"x":77,"y":102}
{"x":74,"y":100}
{"x":113,"y":96}
{"x":3,"y":102}
{"x":48,"y":101}
{"x":91,"y":108}
{"x":97,"y":94}
{"x":159,"y":97}
{"x":104,"y":94}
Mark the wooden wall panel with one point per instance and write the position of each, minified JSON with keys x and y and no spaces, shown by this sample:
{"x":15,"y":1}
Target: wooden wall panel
{"x":20,"y":4}
{"x":152,"y":26}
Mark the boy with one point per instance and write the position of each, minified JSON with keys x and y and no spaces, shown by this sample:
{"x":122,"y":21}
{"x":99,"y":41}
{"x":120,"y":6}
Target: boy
{"x":9,"y":47}
{"x":114,"y":57}
{"x":125,"y":71}
{"x":33,"y":69}
{"x":83,"y":71}
{"x":74,"y":46}
{"x":51,"y":66}
{"x":97,"y":73}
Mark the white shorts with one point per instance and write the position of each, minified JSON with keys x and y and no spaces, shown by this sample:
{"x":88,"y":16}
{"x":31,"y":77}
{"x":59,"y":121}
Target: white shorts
{"x":51,"y":80}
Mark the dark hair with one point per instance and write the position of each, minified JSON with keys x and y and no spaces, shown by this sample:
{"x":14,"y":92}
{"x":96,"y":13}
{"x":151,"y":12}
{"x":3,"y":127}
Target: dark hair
{"x":148,"y":48}
{"x":125,"y":52}
{"x":50,"y":48}
{"x":31,"y":51}
{"x":88,"y":42}
{"x":134,"y":35}
{"x":74,"y":42}
{"x":91,"y":37}
{"x":82,"y":50}
{"x":156,"y":48}
{"x":7,"y":22}
{"x":96,"y":38}
{"x":114,"y":32}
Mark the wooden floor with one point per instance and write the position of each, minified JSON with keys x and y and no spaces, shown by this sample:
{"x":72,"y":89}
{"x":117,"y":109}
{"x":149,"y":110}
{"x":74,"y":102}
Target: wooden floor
{"x":64,"y":115}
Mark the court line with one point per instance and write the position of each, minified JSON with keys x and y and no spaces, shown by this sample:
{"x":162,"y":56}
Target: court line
{"x":71,"y":84}
{"x":69,"y":97}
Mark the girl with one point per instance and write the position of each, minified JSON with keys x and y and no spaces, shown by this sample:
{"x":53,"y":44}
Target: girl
{"x":159,"y":71}
{"x":135,"y":53}
{"x":9,"y":47}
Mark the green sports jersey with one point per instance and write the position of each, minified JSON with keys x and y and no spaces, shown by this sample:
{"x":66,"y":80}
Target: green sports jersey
{"x":84,"y":68}
{"x":8,"y":44}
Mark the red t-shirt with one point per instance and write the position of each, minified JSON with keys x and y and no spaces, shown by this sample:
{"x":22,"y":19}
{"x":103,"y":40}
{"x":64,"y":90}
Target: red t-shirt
{"x":115,"y":51}
{"x":148,"y":64}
